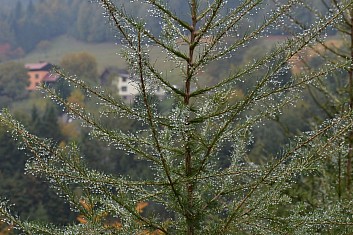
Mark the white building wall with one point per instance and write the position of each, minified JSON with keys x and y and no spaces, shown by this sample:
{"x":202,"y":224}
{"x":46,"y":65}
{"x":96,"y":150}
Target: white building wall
{"x":127,"y":88}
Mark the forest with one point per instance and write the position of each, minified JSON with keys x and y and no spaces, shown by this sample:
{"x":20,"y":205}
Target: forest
{"x":28,"y":24}
{"x":307,"y":92}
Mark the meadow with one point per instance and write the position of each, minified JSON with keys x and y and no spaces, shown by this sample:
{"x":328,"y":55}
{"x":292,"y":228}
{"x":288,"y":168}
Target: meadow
{"x":107,"y":54}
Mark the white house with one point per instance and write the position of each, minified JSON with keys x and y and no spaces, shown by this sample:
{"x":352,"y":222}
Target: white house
{"x":125,"y":84}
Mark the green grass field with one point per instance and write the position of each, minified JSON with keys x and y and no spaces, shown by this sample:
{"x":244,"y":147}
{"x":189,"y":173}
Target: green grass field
{"x":106,"y":54}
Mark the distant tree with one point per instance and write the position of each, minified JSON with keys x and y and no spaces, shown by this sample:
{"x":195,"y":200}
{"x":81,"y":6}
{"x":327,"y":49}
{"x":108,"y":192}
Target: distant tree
{"x":27,"y":34}
{"x":35,"y":118}
{"x":13,"y":83}
{"x":34,"y":21}
{"x":88,"y":24}
{"x":48,"y":127}
{"x":191,"y":191}
{"x":27,"y":192}
{"x":43,"y":45}
{"x":82,"y":64}
{"x":55,"y":18}
{"x":7,"y":34}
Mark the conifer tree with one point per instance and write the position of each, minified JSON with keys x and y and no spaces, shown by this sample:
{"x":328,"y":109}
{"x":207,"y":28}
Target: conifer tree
{"x":191,"y":192}
{"x":335,"y":93}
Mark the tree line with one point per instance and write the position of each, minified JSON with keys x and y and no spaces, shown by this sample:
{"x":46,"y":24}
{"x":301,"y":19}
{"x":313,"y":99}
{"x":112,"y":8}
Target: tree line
{"x":27,"y":25}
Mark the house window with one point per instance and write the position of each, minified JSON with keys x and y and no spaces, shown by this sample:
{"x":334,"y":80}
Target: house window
{"x":36,"y":75}
{"x":124,"y":79}
{"x":123,"y":88}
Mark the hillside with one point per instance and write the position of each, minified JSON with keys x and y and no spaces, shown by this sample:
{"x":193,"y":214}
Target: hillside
{"x":106,"y":54}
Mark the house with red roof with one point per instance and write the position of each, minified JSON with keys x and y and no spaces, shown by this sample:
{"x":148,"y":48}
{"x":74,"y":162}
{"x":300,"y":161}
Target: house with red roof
{"x":39,"y":73}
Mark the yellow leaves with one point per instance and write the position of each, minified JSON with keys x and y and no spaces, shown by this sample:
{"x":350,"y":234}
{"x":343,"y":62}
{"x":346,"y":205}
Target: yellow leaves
{"x":102,"y":218}
{"x":85,"y":205}
{"x":156,"y":232}
{"x":140,"y":206}
{"x":115,"y":224}
{"x":70,"y":130}
{"x":81,"y":219}
{"x":76,"y":97}
{"x":96,"y":218}
{"x":235,"y":96}
{"x":5,"y":229}
{"x":82,"y":64}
